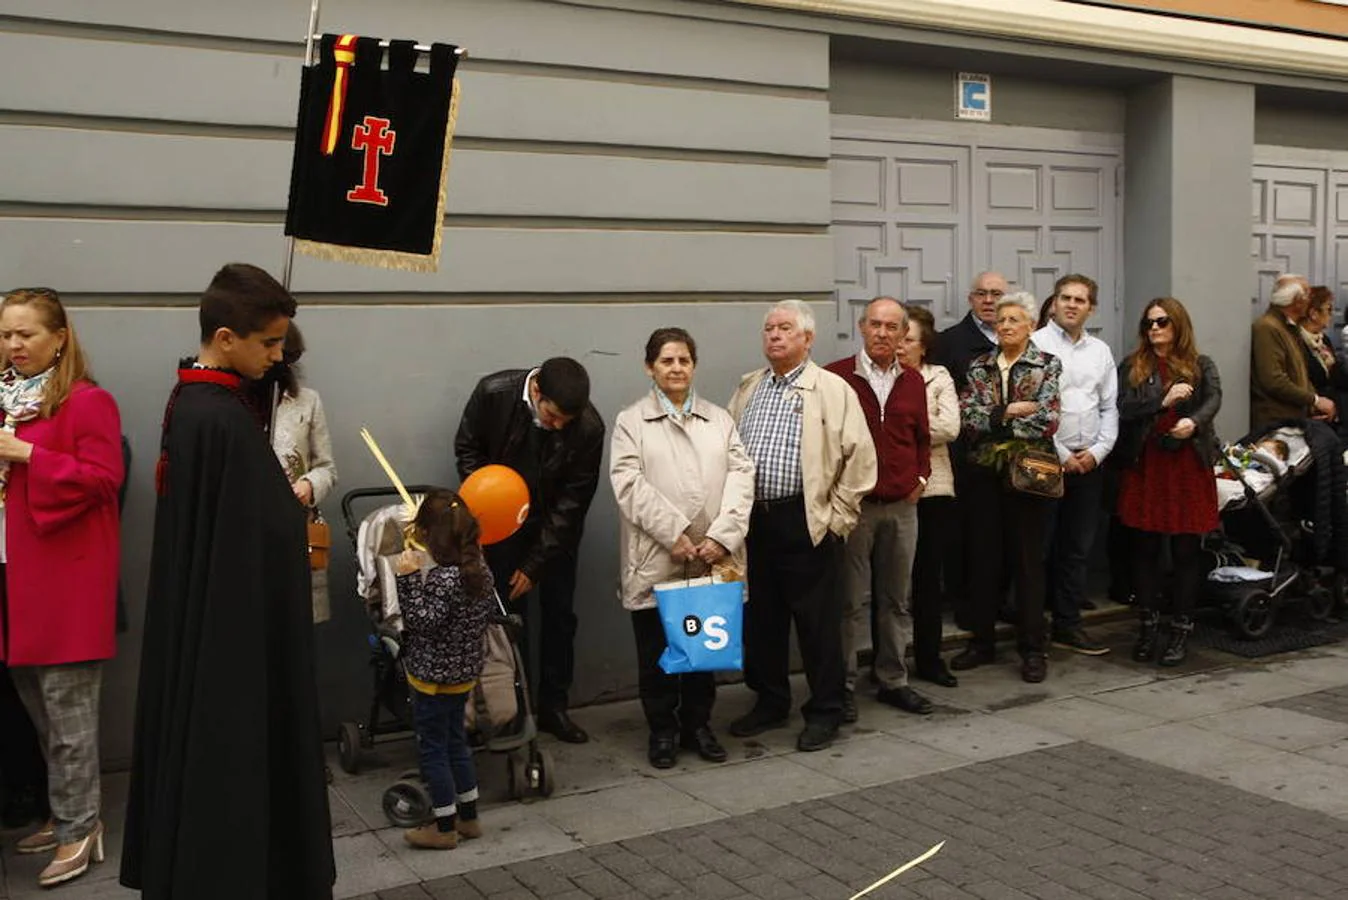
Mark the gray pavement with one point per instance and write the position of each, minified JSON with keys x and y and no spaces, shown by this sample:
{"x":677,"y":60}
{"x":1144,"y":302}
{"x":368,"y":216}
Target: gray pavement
{"x":1225,"y":779}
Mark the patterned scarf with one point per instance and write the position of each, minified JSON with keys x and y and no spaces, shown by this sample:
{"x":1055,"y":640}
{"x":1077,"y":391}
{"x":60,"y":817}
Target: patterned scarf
{"x":1320,"y":348}
{"x":677,"y":413}
{"x":21,"y":399}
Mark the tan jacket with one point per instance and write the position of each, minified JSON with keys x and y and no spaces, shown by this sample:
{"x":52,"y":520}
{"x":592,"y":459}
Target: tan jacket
{"x":675,"y":477}
{"x":837,"y":456}
{"x":1280,"y":387}
{"x":943,"y":418}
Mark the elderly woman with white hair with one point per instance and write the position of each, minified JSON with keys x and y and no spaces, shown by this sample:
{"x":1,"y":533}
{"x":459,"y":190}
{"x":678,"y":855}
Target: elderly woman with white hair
{"x":1009,"y":405}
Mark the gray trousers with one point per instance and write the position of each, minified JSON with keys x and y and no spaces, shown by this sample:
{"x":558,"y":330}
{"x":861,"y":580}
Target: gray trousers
{"x":63,"y":703}
{"x":878,"y":568}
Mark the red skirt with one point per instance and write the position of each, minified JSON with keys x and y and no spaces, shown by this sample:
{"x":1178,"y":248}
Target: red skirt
{"x":1168,"y":491}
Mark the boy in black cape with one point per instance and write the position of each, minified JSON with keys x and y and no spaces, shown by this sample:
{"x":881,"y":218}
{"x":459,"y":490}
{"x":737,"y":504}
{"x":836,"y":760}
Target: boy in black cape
{"x":228,"y":798}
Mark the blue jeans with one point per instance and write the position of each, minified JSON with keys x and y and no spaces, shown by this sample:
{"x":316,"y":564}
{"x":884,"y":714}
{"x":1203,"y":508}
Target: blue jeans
{"x":446,"y":761}
{"x":1071,"y":535}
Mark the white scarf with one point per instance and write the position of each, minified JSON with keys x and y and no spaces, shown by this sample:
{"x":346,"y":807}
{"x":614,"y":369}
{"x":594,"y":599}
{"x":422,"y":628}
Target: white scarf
{"x":21,"y":399}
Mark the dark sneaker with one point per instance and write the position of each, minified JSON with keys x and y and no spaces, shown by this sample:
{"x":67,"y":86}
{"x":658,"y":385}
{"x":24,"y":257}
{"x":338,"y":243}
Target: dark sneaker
{"x":971,"y":658}
{"x":1078,"y":641}
{"x":756,"y":721}
{"x":816,"y":736}
{"x":849,"y":708}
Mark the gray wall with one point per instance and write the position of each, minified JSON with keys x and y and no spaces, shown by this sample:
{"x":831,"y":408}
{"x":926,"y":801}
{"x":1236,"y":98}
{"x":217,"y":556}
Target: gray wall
{"x":613,"y":172}
{"x":1279,"y":125}
{"x":866,"y":87}
{"x":1190,"y":153}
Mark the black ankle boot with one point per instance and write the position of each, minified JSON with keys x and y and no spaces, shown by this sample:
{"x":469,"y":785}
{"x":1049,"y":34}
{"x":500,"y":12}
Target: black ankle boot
{"x":1177,"y":648}
{"x":1149,"y":628}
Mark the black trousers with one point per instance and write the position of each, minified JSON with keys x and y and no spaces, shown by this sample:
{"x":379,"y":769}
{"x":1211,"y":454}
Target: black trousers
{"x":938,"y":529}
{"x":555,"y":616}
{"x":1187,"y":559}
{"x":1073,"y":522}
{"x":1011,"y":526}
{"x":672,"y":703}
{"x":792,"y":580}
{"x":21,"y":765}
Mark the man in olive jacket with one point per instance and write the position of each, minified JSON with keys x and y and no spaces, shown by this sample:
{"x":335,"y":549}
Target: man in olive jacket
{"x":1280,"y":387}
{"x":540,"y":422}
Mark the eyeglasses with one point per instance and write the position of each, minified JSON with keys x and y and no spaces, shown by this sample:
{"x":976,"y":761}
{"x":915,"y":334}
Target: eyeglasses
{"x":995,"y":295}
{"x":1158,"y":322}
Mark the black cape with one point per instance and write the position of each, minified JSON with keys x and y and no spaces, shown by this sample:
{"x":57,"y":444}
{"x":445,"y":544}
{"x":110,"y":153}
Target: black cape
{"x":228,"y":798}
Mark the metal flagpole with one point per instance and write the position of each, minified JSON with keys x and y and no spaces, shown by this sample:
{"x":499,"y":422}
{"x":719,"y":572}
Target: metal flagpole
{"x":308,"y":61}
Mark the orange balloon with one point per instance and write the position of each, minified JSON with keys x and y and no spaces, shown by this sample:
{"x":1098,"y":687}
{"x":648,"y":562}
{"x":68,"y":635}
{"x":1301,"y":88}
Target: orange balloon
{"x":499,"y":498}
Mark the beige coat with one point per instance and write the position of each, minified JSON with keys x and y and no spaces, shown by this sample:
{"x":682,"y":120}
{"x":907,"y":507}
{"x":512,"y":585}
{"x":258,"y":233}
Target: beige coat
{"x":304,"y":447}
{"x":837,"y":456}
{"x":943,"y":417}
{"x":674,"y":477}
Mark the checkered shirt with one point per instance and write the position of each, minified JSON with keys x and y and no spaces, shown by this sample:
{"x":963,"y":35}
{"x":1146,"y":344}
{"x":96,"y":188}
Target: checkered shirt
{"x":770,"y":429}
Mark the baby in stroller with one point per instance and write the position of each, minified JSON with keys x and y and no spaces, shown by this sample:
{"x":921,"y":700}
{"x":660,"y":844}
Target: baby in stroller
{"x":446,"y":596}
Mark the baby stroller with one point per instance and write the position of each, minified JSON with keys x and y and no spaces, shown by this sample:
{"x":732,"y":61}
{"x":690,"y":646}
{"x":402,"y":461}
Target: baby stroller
{"x":500,"y":716}
{"x":1255,"y":480}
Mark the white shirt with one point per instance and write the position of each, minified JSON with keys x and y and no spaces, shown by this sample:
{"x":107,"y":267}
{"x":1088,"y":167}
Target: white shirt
{"x":529,"y":400}
{"x":881,"y":380}
{"x":1088,"y":390}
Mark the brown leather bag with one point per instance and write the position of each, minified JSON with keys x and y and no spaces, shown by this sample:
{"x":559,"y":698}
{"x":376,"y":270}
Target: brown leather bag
{"x":320,"y":542}
{"x":1036,"y":473}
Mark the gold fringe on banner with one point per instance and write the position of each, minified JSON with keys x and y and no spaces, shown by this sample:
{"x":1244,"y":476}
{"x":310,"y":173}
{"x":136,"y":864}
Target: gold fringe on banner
{"x":397,"y":259}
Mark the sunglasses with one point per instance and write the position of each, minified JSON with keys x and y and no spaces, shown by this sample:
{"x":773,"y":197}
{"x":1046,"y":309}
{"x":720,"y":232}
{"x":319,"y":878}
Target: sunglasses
{"x":1158,"y":322}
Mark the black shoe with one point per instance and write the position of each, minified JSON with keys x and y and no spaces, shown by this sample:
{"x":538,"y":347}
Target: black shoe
{"x":663,"y":752}
{"x":557,"y":723}
{"x":757,"y":721}
{"x":1176,"y":648}
{"x":906,"y":699}
{"x":816,"y":736}
{"x":971,"y":658}
{"x":937,"y":674}
{"x":849,"y":708}
{"x":1035,"y":668}
{"x":705,"y":743}
{"x":1088,"y":604}
{"x":1148,"y":633}
{"x":1078,"y":641}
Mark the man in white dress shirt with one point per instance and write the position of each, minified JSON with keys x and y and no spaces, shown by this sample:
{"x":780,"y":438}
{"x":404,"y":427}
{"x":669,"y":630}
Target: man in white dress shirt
{"x":1087,"y":428}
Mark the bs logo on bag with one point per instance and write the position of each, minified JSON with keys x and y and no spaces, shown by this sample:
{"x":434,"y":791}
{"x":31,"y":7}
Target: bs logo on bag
{"x":714,"y":628}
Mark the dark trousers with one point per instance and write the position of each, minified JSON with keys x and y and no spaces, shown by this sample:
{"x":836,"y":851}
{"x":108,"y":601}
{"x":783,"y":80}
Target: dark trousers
{"x":446,"y":761}
{"x":672,"y":703}
{"x":1072,"y":525}
{"x":937,"y":530}
{"x":1011,"y":526}
{"x":792,"y":580}
{"x":21,"y":767}
{"x":1187,"y":560}
{"x":555,"y":616}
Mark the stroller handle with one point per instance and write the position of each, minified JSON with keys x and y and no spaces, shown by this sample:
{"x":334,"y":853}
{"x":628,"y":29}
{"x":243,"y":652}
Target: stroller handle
{"x":350,"y":497}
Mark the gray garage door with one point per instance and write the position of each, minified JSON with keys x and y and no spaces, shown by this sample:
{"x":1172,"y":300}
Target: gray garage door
{"x":919,"y":208}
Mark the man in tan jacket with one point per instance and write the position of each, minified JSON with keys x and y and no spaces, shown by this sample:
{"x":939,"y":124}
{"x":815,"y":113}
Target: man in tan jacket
{"x":1280,"y":387}
{"x":814,"y":460}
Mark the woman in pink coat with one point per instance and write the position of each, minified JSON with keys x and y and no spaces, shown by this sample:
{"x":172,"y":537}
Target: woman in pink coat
{"x":60,"y":469}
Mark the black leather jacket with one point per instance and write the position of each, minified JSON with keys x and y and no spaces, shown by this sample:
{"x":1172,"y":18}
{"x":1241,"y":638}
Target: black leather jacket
{"x":561,"y":468}
{"x":1140,"y":406}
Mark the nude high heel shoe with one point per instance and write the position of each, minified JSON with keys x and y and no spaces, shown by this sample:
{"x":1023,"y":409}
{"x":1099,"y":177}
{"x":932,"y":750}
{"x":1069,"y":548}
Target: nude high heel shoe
{"x":72,"y":860}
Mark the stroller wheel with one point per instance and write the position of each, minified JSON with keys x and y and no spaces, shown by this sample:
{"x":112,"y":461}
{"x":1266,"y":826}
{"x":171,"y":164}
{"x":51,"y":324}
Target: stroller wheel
{"x":348,"y":747}
{"x":516,"y":777}
{"x":545,"y":771}
{"x":406,"y":804}
{"x":1253,"y":614}
{"x":1319,"y":603}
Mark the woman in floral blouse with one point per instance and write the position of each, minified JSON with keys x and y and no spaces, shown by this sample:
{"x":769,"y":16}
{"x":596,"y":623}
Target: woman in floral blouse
{"x":1010,"y":401}
{"x":304,"y":447}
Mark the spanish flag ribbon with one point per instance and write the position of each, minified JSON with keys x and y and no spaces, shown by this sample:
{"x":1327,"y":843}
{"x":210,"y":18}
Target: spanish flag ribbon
{"x":344,"y":53}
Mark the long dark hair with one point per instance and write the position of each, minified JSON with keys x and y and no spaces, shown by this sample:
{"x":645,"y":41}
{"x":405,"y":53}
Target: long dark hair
{"x":1182,"y":359}
{"x":451,"y":534}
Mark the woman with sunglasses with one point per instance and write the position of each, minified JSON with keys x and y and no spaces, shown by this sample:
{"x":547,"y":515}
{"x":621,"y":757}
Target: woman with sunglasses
{"x":1168,"y":397}
{"x":304,"y":447}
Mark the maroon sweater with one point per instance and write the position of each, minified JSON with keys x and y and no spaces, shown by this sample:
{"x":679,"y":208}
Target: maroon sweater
{"x":902,"y":438}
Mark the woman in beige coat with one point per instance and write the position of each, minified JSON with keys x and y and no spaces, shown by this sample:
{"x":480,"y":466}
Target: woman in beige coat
{"x":684,"y":487}
{"x":937,"y":522}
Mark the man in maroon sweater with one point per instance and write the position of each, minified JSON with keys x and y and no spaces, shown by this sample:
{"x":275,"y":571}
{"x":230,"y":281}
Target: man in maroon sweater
{"x":879,"y":554}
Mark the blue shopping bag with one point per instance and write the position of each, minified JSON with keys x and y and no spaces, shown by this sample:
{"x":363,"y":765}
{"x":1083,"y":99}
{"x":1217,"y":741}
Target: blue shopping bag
{"x":704,"y":625}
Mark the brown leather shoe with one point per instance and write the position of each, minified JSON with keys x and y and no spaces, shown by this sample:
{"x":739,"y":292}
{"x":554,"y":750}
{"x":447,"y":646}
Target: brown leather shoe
{"x":430,"y":837}
{"x":40,"y":841}
{"x":72,"y":860}
{"x":468,"y":829}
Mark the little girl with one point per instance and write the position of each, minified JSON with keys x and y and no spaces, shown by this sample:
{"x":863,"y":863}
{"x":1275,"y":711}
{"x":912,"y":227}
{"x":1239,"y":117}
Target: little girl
{"x":445,"y":607}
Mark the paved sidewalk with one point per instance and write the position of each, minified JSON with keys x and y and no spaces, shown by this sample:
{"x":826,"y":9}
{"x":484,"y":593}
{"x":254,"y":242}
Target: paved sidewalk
{"x":1226,"y":779}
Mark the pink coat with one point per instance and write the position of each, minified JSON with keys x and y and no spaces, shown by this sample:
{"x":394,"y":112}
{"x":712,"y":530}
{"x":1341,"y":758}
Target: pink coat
{"x":61,"y":536}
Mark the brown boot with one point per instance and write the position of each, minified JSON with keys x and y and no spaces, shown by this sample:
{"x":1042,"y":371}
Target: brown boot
{"x":430,"y":837}
{"x":72,"y":860}
{"x":39,"y":841}
{"x":468,"y":828}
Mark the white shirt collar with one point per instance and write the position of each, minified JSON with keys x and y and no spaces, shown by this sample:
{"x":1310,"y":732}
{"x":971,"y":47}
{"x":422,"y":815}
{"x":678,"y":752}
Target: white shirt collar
{"x":869,"y":365}
{"x":528,"y":398}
